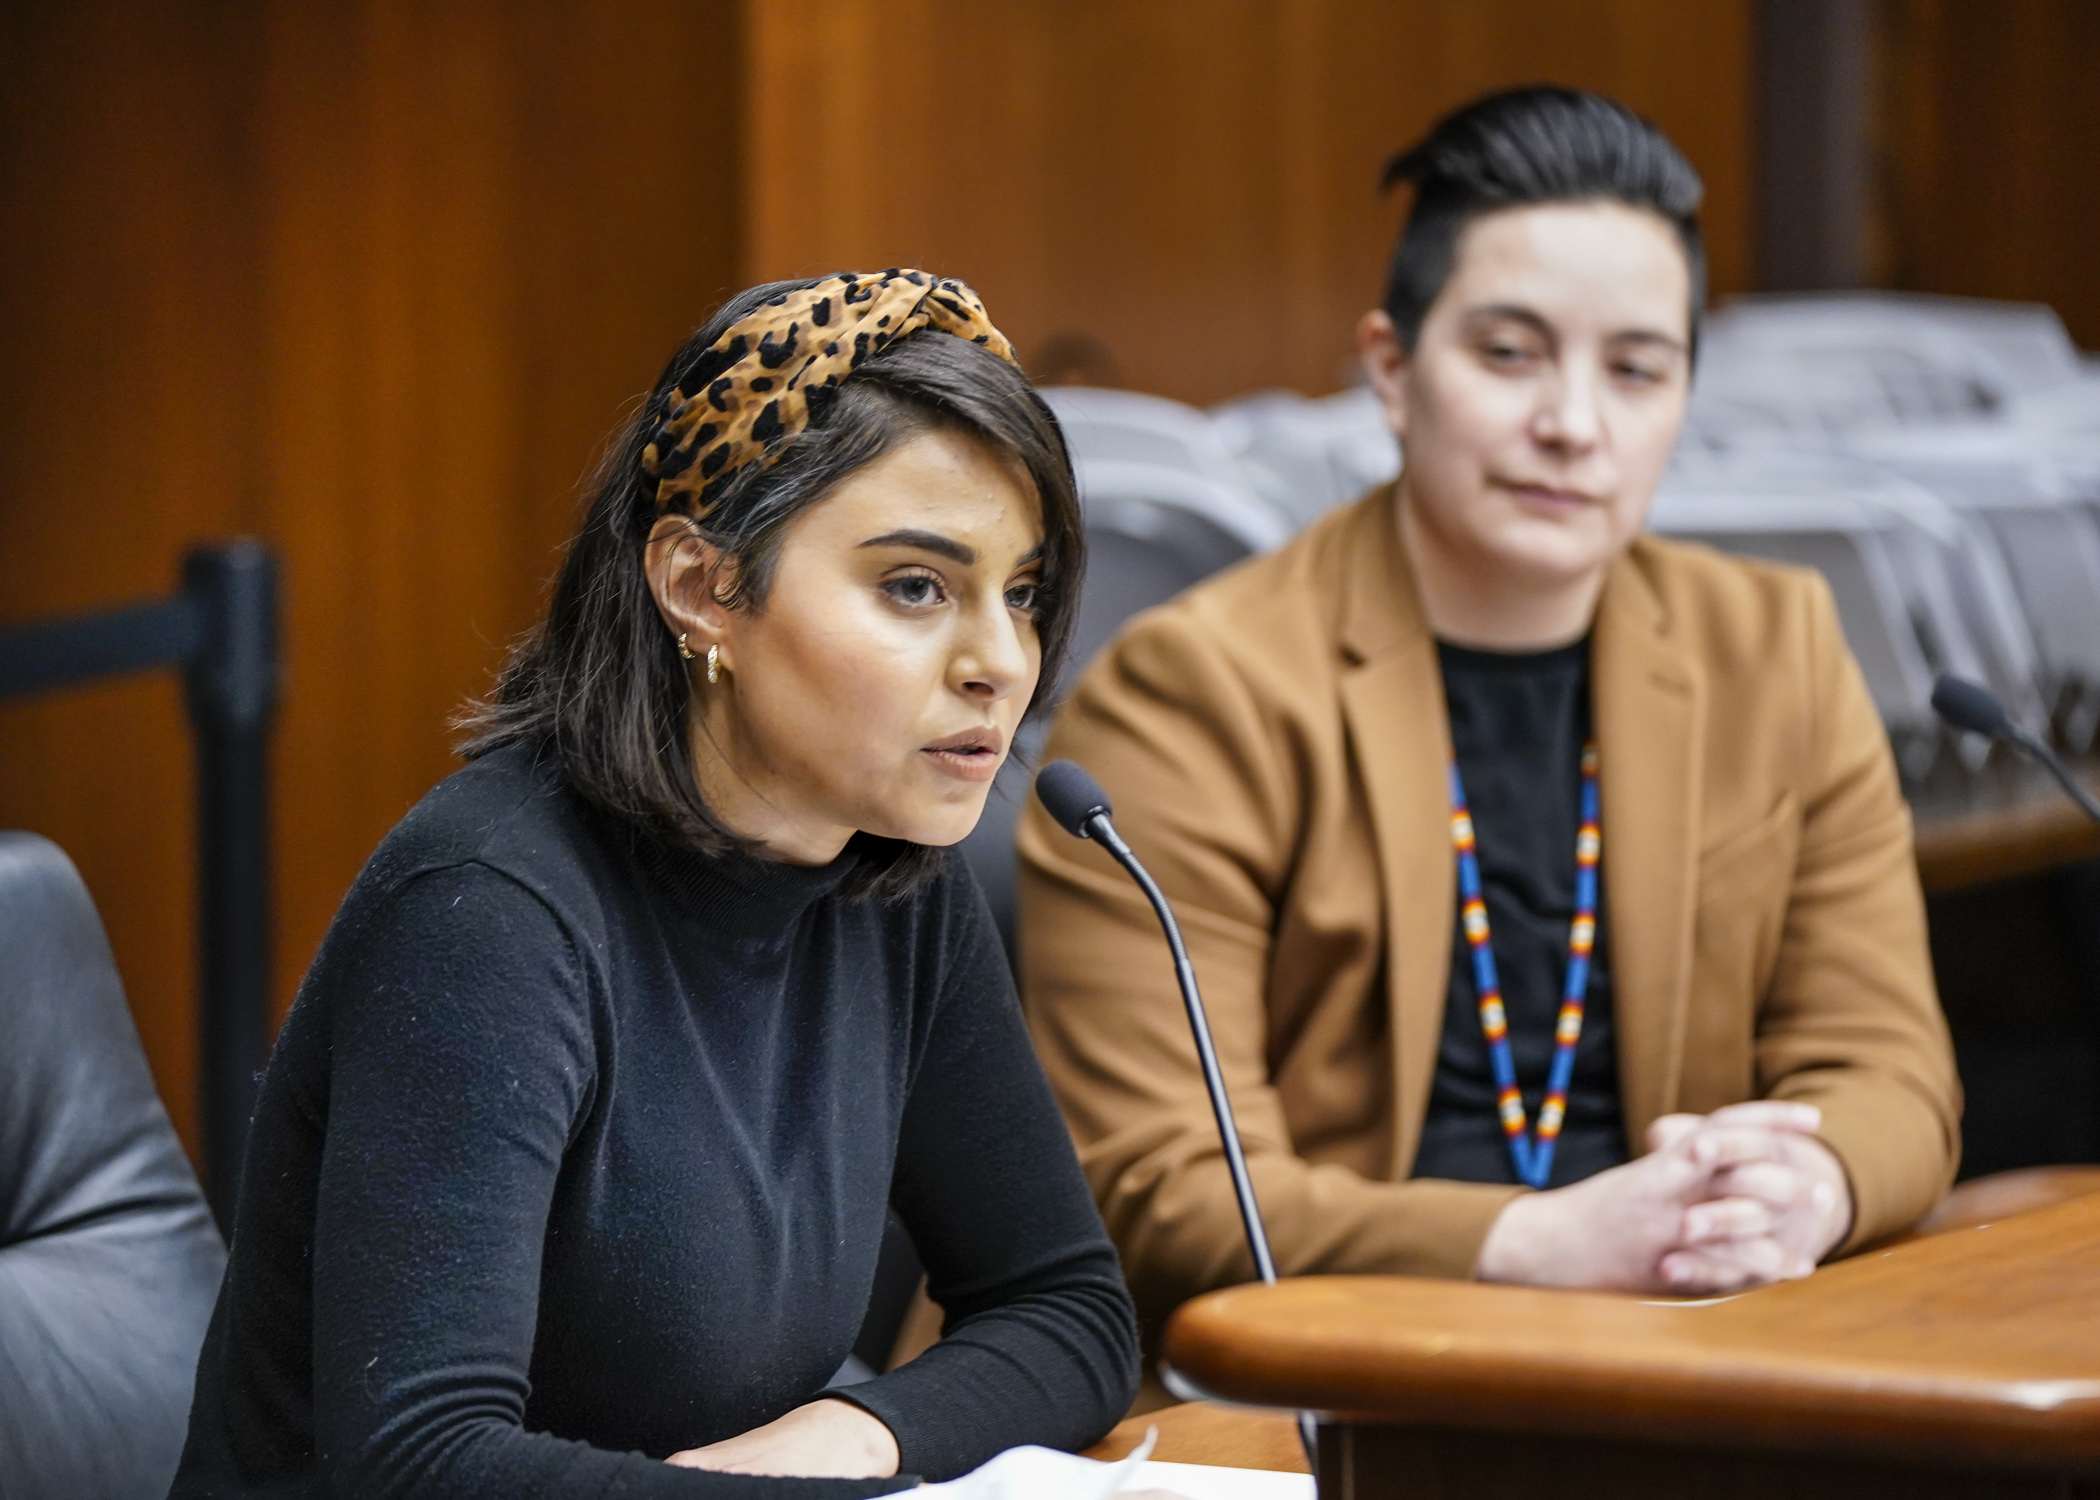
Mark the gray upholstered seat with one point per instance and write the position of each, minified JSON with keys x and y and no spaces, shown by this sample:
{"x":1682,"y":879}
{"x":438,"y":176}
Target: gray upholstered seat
{"x":108,"y":1258}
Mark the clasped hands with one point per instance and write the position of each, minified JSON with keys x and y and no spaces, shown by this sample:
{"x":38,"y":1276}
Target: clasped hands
{"x":1739,"y":1198}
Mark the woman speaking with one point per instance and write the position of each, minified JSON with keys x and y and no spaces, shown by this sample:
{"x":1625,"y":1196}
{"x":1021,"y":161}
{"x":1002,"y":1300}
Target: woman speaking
{"x":575,"y":1152}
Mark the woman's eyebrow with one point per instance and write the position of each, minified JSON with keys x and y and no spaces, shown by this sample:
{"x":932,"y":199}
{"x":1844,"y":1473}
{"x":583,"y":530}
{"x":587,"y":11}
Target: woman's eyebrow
{"x":926,"y":541}
{"x":1648,"y":336}
{"x":1518,"y":313}
{"x":1515,"y":312}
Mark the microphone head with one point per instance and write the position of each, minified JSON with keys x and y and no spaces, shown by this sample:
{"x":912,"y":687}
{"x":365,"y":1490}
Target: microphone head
{"x":1072,"y":796}
{"x":1971,"y":706}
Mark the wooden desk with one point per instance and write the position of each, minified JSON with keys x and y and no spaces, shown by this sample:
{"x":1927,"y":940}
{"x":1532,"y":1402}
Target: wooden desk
{"x":2013,"y":821}
{"x":1255,"y":1437}
{"x":1964,"y":1364}
{"x":1208,"y":1432}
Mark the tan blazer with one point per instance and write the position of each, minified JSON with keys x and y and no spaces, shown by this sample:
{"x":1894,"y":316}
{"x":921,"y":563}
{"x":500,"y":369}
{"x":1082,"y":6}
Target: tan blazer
{"x":1276,"y":744}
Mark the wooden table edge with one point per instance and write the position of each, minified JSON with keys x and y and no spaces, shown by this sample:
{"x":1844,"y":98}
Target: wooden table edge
{"x":1476,"y":1373}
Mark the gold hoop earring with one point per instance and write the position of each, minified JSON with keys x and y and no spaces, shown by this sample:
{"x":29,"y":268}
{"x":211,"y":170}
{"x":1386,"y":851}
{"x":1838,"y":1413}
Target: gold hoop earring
{"x":714,"y":663}
{"x":684,"y":650}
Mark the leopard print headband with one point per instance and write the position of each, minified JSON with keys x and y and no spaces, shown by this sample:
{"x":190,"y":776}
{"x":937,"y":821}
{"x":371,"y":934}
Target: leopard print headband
{"x":761,"y":383}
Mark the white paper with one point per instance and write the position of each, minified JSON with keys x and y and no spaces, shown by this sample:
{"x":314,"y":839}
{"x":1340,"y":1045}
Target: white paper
{"x":1214,"y":1482}
{"x":1045,"y":1474}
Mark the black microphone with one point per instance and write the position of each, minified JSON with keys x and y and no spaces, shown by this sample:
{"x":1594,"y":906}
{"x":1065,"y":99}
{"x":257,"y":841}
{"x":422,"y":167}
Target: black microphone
{"x":1082,"y":809}
{"x":1973,"y":707}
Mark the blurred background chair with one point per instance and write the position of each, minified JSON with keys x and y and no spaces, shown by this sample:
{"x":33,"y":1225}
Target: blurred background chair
{"x":1307,"y":455}
{"x":1969,"y":419}
{"x":109,"y":1262}
{"x":2047,"y":534}
{"x":1132,"y":427}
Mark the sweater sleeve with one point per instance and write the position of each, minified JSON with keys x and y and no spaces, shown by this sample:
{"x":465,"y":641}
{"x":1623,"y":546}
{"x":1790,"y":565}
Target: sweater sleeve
{"x":1039,"y":1343}
{"x":461,"y":1058}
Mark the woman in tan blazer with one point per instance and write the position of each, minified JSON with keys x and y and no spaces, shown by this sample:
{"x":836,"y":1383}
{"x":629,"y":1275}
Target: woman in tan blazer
{"x":1770,"y":1077}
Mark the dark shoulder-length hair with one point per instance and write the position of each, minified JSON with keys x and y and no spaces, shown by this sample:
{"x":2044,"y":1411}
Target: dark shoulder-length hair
{"x":598,"y":684}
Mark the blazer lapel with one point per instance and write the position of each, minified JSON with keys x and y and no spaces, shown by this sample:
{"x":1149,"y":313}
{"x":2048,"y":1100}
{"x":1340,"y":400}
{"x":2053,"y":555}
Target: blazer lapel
{"x":1649,"y":701}
{"x":1400,"y":742}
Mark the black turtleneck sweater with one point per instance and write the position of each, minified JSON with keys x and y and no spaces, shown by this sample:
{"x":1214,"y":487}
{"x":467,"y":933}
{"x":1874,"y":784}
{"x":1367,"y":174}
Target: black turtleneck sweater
{"x":576,"y":1151}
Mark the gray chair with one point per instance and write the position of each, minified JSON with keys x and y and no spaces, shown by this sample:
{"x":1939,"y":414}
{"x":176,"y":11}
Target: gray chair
{"x":1825,"y":364}
{"x":2047,"y":534}
{"x":109,"y":1262}
{"x":1307,"y":456}
{"x":1127,"y":445}
{"x":1963,"y":602}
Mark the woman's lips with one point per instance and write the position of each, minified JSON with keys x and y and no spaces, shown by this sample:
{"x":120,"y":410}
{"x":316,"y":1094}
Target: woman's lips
{"x":1546,"y":494}
{"x":973,"y":755}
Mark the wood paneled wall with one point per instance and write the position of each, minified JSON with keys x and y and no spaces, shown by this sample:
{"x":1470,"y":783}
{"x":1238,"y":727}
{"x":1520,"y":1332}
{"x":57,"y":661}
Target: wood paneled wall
{"x":127,"y":396}
{"x":373,"y":280}
{"x":1988,"y":128}
{"x":482,"y":238}
{"x":1193,"y":186}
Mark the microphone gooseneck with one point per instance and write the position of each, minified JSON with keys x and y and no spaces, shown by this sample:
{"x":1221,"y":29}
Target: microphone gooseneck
{"x":1076,"y":800}
{"x":1971,"y":706}
{"x":1083,"y":810}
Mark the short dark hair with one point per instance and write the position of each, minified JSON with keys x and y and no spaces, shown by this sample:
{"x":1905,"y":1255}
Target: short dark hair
{"x":598,"y":684}
{"x":1526,"y":146}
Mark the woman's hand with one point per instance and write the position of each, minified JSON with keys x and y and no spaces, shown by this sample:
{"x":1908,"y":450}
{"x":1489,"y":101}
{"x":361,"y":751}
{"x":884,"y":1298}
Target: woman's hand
{"x":827,"y":1439}
{"x":1741,"y":1197}
{"x":1806,"y":1190}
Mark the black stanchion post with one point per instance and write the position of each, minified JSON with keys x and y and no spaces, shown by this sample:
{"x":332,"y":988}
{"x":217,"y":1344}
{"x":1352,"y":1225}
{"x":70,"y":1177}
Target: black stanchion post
{"x":232,"y":697}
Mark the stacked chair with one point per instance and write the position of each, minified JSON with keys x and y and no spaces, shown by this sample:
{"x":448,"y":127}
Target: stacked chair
{"x":1980,"y":423}
{"x":1307,"y":456}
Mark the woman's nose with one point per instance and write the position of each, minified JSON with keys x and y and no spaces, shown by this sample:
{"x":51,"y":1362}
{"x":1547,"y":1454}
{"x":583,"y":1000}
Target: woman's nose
{"x":1568,"y":415}
{"x":991,"y":660}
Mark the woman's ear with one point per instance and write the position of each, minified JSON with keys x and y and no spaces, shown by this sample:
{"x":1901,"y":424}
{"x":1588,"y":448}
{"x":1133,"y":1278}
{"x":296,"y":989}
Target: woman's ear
{"x":685,"y":573}
{"x":1385,"y":364}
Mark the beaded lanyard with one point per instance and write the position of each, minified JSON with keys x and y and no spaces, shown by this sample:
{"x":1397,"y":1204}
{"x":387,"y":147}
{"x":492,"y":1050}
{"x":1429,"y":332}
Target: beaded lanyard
{"x":1533,"y":1158}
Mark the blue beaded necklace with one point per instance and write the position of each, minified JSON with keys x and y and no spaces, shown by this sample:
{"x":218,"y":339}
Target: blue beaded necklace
{"x":1533,"y":1157}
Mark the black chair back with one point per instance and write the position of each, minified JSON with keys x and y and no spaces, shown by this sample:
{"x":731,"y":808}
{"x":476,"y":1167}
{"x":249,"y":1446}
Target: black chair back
{"x":109,"y":1262}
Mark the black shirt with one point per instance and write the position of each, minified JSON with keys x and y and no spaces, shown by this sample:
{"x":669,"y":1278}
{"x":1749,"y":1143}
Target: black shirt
{"x":576,"y":1148}
{"x":1518,"y":725}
